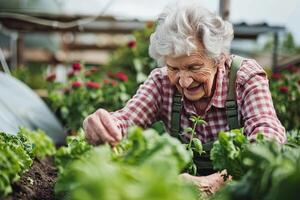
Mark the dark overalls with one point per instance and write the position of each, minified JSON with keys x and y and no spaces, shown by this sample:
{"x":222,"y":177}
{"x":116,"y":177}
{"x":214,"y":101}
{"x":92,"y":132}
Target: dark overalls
{"x":203,"y":162}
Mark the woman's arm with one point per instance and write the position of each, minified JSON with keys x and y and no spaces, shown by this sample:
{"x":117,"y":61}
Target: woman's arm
{"x":255,"y":103}
{"x":143,"y":108}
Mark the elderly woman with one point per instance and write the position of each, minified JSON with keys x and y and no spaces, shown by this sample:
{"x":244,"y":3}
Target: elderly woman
{"x":191,"y":46}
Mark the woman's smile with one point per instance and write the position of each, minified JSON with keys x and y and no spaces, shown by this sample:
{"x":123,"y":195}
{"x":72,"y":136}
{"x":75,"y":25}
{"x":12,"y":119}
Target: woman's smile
{"x":194,"y":93}
{"x":194,"y":89}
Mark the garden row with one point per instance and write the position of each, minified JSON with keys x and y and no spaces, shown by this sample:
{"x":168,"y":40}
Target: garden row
{"x":145,"y":165}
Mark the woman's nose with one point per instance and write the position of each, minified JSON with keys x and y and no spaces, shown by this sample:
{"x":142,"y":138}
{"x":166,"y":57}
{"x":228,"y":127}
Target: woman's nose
{"x":184,"y":80}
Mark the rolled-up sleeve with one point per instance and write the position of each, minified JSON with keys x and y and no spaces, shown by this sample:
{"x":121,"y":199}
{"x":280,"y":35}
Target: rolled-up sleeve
{"x":143,"y":108}
{"x":256,"y":105}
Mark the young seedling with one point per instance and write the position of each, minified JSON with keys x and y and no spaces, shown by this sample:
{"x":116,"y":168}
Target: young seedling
{"x":194,"y":145}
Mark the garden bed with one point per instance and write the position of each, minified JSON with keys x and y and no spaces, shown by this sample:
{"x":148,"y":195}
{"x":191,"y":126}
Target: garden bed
{"x":37,"y":183}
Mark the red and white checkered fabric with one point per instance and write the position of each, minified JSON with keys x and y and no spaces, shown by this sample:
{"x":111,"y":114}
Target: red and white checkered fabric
{"x":153,"y":102}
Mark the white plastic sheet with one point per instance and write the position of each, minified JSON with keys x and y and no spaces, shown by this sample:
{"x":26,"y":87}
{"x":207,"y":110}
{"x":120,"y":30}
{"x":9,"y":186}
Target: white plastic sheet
{"x":20,"y":106}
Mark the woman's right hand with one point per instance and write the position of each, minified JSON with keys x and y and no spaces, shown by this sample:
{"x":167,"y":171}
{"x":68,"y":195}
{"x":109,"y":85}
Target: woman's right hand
{"x":100,"y":127}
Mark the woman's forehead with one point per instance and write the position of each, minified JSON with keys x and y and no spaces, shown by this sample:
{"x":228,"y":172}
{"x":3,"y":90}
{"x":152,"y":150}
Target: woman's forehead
{"x":193,"y":57}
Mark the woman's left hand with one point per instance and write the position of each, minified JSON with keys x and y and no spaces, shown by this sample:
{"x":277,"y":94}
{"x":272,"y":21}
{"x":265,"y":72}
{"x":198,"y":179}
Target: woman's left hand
{"x":206,"y":184}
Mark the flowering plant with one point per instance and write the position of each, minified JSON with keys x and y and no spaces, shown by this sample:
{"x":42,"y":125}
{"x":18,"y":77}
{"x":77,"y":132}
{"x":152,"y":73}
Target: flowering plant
{"x":285,"y":89}
{"x":133,"y":58}
{"x":85,"y":90}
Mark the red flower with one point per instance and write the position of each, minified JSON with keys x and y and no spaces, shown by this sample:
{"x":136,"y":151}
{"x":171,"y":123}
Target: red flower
{"x":298,"y":82}
{"x":291,"y":68}
{"x":276,"y":76}
{"x":111,"y":75}
{"x":122,"y":76}
{"x":71,"y":73}
{"x":284,"y":89}
{"x":131,"y":44}
{"x":92,"y":85}
{"x":76,"y":84}
{"x":51,"y":77}
{"x":76,"y":66}
{"x":114,"y":83}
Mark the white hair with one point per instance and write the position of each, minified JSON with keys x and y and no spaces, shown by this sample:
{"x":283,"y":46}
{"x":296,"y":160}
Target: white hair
{"x":181,"y":23}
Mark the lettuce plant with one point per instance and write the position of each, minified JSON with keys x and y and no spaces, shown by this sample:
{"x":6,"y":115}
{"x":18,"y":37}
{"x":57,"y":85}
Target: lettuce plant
{"x":144,"y":165}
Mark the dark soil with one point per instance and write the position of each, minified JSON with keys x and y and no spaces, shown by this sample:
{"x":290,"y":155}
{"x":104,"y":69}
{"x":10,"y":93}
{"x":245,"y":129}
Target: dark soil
{"x":37,"y":183}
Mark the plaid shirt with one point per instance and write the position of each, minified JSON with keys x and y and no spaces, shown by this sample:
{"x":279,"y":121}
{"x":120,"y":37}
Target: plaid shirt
{"x":153,"y":102}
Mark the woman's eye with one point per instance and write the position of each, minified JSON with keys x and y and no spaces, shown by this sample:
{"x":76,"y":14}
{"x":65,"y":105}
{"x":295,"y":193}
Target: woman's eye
{"x":196,"y":68}
{"x":173,"y":68}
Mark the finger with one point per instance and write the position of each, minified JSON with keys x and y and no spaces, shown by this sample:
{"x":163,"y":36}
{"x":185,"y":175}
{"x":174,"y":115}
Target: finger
{"x":184,"y":176}
{"x":110,"y":125}
{"x":85,"y":126}
{"x":92,"y":137}
{"x":103,"y":133}
{"x":94,"y":130}
{"x":113,"y":144}
{"x":207,"y":192}
{"x":87,"y":131}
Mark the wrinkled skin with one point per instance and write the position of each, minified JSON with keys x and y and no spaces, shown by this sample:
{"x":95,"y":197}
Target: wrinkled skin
{"x":208,"y":185}
{"x":100,"y":127}
{"x":193,"y":74}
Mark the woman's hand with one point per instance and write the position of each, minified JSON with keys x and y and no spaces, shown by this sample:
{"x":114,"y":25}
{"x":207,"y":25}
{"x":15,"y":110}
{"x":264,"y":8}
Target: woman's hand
{"x":206,"y":184}
{"x":100,"y":127}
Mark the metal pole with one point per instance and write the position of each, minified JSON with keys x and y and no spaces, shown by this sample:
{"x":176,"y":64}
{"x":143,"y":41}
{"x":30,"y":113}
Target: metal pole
{"x":13,"y":50}
{"x":20,"y":49}
{"x":224,"y":9}
{"x":275,"y":52}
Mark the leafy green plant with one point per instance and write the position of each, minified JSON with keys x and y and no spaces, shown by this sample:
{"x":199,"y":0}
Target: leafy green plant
{"x":42,"y":144}
{"x":227,"y":153}
{"x":98,"y":177}
{"x":263,"y":169}
{"x":194,"y":145}
{"x":77,"y":146}
{"x":15,"y":159}
{"x":145,"y":165}
{"x":272,"y":173}
{"x":293,"y":137}
{"x":145,"y":146}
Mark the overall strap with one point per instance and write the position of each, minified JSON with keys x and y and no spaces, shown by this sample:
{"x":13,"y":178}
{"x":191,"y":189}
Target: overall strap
{"x":231,"y":105}
{"x":175,"y":116}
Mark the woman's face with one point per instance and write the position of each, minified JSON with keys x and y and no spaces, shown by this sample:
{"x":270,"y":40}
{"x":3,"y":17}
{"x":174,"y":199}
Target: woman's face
{"x":193,"y":75}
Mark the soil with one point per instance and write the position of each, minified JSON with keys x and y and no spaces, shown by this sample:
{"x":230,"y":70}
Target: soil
{"x":37,"y":183}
